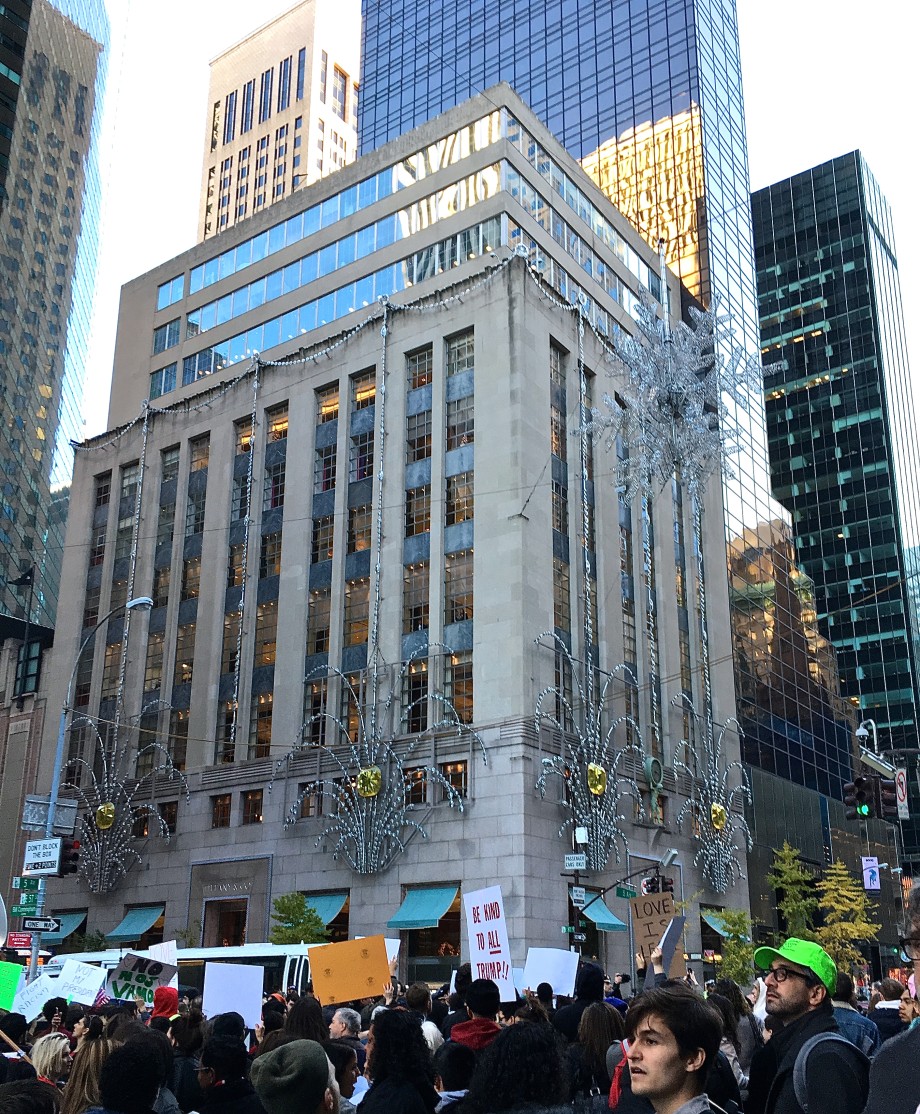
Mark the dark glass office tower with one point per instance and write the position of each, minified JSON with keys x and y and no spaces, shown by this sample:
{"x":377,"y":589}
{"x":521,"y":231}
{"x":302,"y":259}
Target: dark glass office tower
{"x":840,"y":414}
{"x":52,"y":70}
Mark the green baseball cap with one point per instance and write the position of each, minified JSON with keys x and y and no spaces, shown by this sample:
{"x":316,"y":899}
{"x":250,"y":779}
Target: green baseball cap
{"x":806,"y":954}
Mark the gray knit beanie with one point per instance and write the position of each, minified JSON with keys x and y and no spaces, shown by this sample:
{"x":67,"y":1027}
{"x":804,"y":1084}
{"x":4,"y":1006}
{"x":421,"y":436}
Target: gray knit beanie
{"x":292,"y":1078}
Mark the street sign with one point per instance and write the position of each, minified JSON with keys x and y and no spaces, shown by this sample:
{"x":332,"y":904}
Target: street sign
{"x":28,"y":899}
{"x":42,"y":856}
{"x":25,"y":883}
{"x":900,"y":784}
{"x":578,"y":896}
{"x":35,"y":814}
{"x":577,"y":861}
{"x":567,"y":928}
{"x":579,"y":937}
{"x":23,"y":910}
{"x":41,"y":924}
{"x":628,"y":892}
{"x":19,"y":940}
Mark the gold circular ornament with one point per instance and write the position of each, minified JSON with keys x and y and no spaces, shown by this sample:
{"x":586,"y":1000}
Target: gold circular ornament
{"x":105,"y":816}
{"x":718,"y":816}
{"x":369,"y":781}
{"x":597,"y":779}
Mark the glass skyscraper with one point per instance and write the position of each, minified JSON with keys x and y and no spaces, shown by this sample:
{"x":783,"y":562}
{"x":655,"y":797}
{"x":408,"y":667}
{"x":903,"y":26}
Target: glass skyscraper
{"x":842,"y":431}
{"x":52,"y":73}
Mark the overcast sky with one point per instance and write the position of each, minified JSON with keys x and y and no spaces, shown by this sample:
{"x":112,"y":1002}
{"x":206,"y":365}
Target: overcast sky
{"x":820,"y":79}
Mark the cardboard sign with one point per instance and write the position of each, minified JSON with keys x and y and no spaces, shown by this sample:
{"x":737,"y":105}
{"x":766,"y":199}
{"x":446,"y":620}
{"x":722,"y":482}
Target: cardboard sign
{"x":349,"y":970}
{"x":10,"y":975}
{"x":32,"y":996}
{"x":136,"y":977}
{"x":552,"y":965}
{"x":79,"y":982}
{"x":490,"y":953}
{"x":651,"y":916}
{"x":233,"y":987}
{"x":669,"y":941}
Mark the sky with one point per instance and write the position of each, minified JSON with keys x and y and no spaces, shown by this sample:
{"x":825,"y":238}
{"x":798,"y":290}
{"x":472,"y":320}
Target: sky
{"x":820,"y":79}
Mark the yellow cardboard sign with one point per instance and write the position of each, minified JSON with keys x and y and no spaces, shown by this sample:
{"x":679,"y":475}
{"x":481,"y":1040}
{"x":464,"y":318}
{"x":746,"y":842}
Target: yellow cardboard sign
{"x":651,"y":916}
{"x":349,"y":970}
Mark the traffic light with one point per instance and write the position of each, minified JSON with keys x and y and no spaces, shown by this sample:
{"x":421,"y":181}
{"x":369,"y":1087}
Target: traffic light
{"x":667,"y":885}
{"x":650,"y":885}
{"x":70,"y":857}
{"x":858,"y":796}
{"x":887,"y":802}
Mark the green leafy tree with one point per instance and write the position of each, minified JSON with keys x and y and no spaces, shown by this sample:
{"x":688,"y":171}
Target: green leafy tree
{"x":846,"y":912}
{"x":296,"y":922}
{"x":795,"y":886}
{"x":83,"y":942}
{"x":737,"y":946}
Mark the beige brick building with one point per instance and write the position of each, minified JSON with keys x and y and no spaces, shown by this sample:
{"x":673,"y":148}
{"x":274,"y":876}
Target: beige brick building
{"x":282,"y":111}
{"x":355,"y":545}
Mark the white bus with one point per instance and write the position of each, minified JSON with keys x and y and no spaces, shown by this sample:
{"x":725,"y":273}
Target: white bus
{"x":285,"y":965}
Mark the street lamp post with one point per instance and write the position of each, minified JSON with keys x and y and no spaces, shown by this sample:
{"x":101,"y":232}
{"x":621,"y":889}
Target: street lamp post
{"x":862,"y":733}
{"x":141,"y":603}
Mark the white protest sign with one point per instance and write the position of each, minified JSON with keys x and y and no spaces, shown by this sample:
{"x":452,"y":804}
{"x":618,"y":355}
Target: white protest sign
{"x":136,"y":977}
{"x":32,"y":996}
{"x":669,"y":940}
{"x":552,"y":965}
{"x":490,"y":954}
{"x":79,"y":982}
{"x":167,"y":952}
{"x":233,"y":987}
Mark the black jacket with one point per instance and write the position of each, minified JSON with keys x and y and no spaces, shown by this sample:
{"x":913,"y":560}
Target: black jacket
{"x":236,"y":1096}
{"x":400,"y":1096}
{"x":888,"y":1023}
{"x":185,"y":1083}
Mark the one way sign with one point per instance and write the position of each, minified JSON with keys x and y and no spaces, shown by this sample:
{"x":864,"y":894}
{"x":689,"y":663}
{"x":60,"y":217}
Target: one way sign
{"x":41,"y":924}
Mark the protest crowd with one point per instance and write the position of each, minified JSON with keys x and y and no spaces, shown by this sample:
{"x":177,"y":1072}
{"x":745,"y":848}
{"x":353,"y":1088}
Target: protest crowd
{"x":795,"y":1042}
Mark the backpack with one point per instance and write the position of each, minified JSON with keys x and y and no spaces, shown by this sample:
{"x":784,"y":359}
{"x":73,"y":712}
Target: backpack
{"x":857,"y":1059}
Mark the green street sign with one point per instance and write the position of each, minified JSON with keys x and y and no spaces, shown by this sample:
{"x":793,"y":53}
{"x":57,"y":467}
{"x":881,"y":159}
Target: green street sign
{"x":23,"y":911}
{"x":25,"y":883}
{"x":29,"y":899}
{"x":567,"y":928}
{"x":626,"y":891}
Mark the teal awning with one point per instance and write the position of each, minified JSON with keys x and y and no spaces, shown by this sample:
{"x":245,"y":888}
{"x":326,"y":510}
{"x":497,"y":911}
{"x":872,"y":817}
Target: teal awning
{"x":70,"y":922}
{"x":714,"y":919}
{"x":602,"y":917}
{"x":327,"y":906}
{"x":423,"y":908}
{"x":135,"y":924}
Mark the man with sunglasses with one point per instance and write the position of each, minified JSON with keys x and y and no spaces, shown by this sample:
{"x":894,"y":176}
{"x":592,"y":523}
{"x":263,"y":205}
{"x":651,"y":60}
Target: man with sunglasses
{"x":800,"y":978}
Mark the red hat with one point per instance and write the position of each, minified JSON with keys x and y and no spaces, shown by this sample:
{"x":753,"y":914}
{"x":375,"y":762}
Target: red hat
{"x":165,"y":1002}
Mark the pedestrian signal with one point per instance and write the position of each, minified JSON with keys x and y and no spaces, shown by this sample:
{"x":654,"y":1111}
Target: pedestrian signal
{"x":70,"y":857}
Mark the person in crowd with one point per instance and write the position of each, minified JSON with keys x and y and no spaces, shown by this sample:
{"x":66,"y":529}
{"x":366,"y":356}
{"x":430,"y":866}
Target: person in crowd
{"x":28,"y":1096}
{"x":159,"y":1049}
{"x":54,"y":1011}
{"x":480,"y":1029}
{"x":418,"y":999}
{"x":522,"y":1069}
{"x":453,"y":1069}
{"x":886,"y":1012}
{"x":230,"y":1024}
{"x":545,"y":998}
{"x":532,"y":1012}
{"x":728,"y":1046}
{"x":82,"y":1090}
{"x":128,"y":1081}
{"x":800,"y":978}
{"x":749,"y":1031}
{"x":673,"y":1038}
{"x":399,"y":1065}
{"x":296,"y":1078}
{"x":165,"y":1006}
{"x":345,"y":1026}
{"x":75,"y":1021}
{"x":600,"y":1026}
{"x":345,"y":1065}
{"x":645,"y":978}
{"x":462,"y":980}
{"x":589,"y":987}
{"x":439,"y":1008}
{"x":14,"y":1026}
{"x":614,"y":989}
{"x":222,"y":1078}
{"x":859,"y":1030}
{"x":186,"y":1035}
{"x":50,"y":1057}
{"x":305,"y":1021}
{"x":909,"y":1009}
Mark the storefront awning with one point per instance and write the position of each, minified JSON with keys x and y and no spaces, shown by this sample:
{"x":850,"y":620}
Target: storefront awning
{"x":714,"y":919}
{"x":598,"y":912}
{"x":70,"y":922}
{"x":135,"y":924}
{"x":327,"y":906}
{"x":423,"y":908}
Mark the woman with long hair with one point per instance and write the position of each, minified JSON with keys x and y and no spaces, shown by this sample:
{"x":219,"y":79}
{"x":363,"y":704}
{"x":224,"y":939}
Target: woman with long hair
{"x":399,"y":1065}
{"x":304,"y":1021}
{"x":186,"y":1035}
{"x":82,"y":1090}
{"x":601,"y":1026}
{"x":729,"y":1043}
{"x":51,"y":1058}
{"x":522,"y":1068}
{"x":748,"y":1029}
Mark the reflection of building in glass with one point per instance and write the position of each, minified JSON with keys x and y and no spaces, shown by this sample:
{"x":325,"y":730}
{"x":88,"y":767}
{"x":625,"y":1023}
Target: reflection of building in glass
{"x":842,"y":425}
{"x":49,"y":213}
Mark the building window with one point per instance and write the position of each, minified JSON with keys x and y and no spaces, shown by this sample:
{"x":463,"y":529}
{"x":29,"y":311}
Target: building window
{"x":419,"y":367}
{"x":97,"y":547}
{"x":220,"y":810}
{"x":458,"y":586}
{"x":124,"y":535}
{"x":362,"y":456}
{"x":321,"y":548}
{"x":239,"y":506}
{"x":558,"y":435}
{"x":162,"y":381}
{"x":459,"y":422}
{"x":284,"y":83}
{"x":242,"y":432}
{"x":118,"y":595}
{"x":260,"y":727}
{"x":168,"y":293}
{"x":235,"y":565}
{"x":318,"y":621}
{"x":459,"y":685}
{"x":265,"y":95}
{"x":273,"y":494}
{"x":161,"y":579}
{"x":169,"y":464}
{"x":324,"y":469}
{"x":327,"y":404}
{"x":191,"y":578}
{"x":91,"y":605}
{"x":418,"y":436}
{"x":166,"y":336}
{"x":416,"y":595}
{"x":169,"y":814}
{"x":363,"y":390}
{"x":556,"y":366}
{"x":301,"y":71}
{"x":277,"y":420}
{"x":185,"y":654}
{"x":111,"y":669}
{"x":459,"y":354}
{"x":562,"y":606}
{"x":224,"y":749}
{"x":339,"y":92}
{"x":416,"y":786}
{"x":415,"y":698}
{"x":560,"y":508}
{"x":166,"y":521}
{"x":270,"y":556}
{"x":418,"y":510}
{"x":249,"y":96}
{"x":357,"y":596}
{"x":266,"y":633}
{"x":456,"y":774}
{"x":459,"y":505}
{"x":102,"y":490}
{"x":130,"y":478}
{"x":199,"y":453}
{"x":360,"y":523}
{"x":194,"y":513}
{"x":315,"y":696}
{"x":153,"y":670}
{"x":229,"y":658}
{"x":251,"y":802}
{"x":323,"y":74}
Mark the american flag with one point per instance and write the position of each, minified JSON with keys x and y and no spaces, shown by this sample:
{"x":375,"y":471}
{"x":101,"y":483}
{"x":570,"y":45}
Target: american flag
{"x":101,"y":999}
